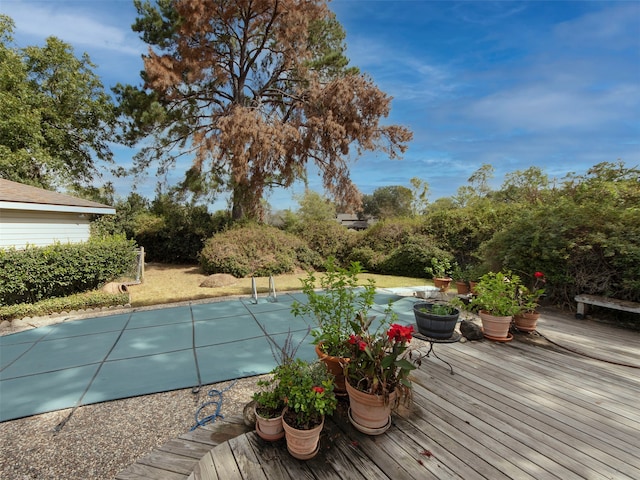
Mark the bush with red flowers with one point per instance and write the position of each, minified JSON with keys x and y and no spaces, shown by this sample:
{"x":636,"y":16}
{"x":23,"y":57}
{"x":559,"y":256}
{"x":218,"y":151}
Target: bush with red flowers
{"x":307,"y":389}
{"x":379,"y":362}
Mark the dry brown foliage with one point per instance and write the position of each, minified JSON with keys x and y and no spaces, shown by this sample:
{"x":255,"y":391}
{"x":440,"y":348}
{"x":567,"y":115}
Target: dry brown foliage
{"x":257,"y":111}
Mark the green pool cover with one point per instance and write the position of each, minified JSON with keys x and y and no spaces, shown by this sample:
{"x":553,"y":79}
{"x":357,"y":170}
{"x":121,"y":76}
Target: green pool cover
{"x":140,"y":352}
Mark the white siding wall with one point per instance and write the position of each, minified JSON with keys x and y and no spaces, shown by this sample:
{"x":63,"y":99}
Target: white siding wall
{"x":21,"y":227}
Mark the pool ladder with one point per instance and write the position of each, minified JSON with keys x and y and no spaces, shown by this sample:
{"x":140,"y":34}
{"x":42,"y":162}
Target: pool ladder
{"x":272,"y":297}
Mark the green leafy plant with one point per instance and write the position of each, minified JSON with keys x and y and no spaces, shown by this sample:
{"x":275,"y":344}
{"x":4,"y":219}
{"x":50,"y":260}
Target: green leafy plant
{"x":338,"y":302}
{"x":271,"y":394}
{"x":440,"y":268}
{"x":497,"y":294}
{"x":37,"y":273}
{"x":529,"y":297}
{"x":79,"y":301}
{"x":269,"y":399}
{"x":307,"y":390}
{"x":378,"y":359}
{"x":439,"y":309}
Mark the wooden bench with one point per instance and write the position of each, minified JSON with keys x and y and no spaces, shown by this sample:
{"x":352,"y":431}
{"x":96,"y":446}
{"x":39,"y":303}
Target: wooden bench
{"x":606,"y":302}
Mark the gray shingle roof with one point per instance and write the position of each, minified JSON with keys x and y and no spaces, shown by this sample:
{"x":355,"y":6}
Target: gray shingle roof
{"x":20,"y":193}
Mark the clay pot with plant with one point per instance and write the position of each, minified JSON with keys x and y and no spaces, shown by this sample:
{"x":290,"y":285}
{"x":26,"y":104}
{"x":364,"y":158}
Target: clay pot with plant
{"x":269,"y":407}
{"x":526,"y":320}
{"x":378,"y":372}
{"x":496,"y":302}
{"x":308,"y":389}
{"x":341,"y":299}
{"x":439,"y":271}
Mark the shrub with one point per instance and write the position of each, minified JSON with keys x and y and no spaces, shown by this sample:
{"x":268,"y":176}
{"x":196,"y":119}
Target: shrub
{"x":59,"y":270}
{"x":258,"y":250}
{"x":328,"y":239}
{"x":79,"y":301}
{"x":175,"y":233}
{"x":585,"y":238}
{"x":412,"y":257}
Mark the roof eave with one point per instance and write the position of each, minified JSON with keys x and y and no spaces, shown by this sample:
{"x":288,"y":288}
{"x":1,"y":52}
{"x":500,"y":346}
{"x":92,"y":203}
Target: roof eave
{"x":47,"y":207}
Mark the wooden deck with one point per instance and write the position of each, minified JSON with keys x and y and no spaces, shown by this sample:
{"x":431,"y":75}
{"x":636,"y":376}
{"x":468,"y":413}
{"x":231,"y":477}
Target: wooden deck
{"x":526,"y":409}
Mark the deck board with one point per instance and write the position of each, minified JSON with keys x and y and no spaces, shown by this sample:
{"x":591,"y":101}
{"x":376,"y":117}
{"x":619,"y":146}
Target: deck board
{"x":528,"y":408}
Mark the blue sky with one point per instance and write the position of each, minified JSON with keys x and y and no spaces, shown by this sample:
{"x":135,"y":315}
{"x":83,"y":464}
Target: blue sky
{"x":513,"y":84}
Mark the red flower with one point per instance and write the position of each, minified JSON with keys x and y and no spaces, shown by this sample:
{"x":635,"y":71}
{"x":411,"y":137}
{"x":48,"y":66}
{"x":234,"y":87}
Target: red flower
{"x":353,"y":339}
{"x":400,"y":333}
{"x":318,"y":389}
{"x":538,"y":275}
{"x":362,"y":345}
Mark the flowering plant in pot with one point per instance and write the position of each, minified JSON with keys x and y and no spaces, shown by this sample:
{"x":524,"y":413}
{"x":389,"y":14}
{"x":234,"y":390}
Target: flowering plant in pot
{"x":308,"y":390}
{"x":339,"y":300}
{"x":378,"y":372}
{"x":529,"y":299}
{"x":497,"y":302}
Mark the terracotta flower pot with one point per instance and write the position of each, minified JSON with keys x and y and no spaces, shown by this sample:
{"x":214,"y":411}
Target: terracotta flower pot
{"x":472,"y":287}
{"x":302,"y":444}
{"x":269,"y":429}
{"x":442,"y":283}
{"x":336,"y":366}
{"x":463,"y":288}
{"x":495,"y":327}
{"x":368,"y":413}
{"x":527,"y":321}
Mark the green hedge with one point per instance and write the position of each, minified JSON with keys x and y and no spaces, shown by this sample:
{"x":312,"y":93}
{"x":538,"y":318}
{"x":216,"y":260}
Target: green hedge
{"x":80,"y":301}
{"x":36,"y":273}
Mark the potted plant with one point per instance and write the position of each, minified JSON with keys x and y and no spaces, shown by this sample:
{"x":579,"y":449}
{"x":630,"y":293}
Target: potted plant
{"x":377,"y":373}
{"x":496,"y":302}
{"x":474,"y":273}
{"x":308,"y":390}
{"x":270,"y":398}
{"x":461,"y":277}
{"x":526,"y":319}
{"x":439,"y":271}
{"x":331,"y":308}
{"x":436,"y":320}
{"x":269,"y":407}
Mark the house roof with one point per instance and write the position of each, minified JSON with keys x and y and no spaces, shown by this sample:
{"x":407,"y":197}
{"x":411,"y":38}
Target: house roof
{"x":17,"y":196}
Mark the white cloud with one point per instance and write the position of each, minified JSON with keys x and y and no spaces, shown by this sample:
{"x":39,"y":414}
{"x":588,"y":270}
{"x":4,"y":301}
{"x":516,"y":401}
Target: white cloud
{"x":84,"y":29}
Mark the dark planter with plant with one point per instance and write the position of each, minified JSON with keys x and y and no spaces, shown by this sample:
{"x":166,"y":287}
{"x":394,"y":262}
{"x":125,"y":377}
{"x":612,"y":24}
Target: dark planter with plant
{"x":436,"y":320}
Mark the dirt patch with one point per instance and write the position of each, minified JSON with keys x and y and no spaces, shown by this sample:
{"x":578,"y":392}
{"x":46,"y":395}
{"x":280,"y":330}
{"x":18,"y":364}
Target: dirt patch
{"x":219,"y":280}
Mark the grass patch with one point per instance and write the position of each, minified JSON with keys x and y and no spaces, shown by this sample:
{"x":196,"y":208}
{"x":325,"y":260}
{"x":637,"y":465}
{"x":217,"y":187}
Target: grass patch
{"x":177,"y":283}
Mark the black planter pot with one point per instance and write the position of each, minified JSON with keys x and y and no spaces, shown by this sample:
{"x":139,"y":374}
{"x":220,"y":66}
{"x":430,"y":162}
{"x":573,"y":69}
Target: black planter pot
{"x":434,"y":326}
